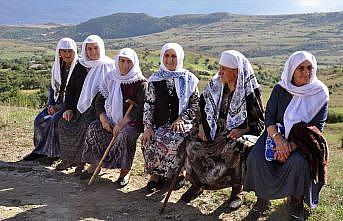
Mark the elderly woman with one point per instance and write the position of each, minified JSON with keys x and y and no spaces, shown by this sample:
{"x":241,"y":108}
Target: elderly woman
{"x":231,"y":116}
{"x":169,"y":113}
{"x":45,"y":125}
{"x":298,"y":105}
{"x":79,"y":112}
{"x":125,"y":82}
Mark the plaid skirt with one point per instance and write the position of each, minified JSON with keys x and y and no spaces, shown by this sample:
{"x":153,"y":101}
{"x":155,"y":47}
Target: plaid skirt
{"x":72,"y":135}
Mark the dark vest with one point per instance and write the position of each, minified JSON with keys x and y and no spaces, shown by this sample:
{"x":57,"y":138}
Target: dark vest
{"x":166,"y":105}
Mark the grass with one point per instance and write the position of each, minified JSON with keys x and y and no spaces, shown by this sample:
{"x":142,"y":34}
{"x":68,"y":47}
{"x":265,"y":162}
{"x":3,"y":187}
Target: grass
{"x":16,"y":133}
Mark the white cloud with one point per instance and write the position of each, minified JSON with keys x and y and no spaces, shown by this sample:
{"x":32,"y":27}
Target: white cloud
{"x":321,"y":5}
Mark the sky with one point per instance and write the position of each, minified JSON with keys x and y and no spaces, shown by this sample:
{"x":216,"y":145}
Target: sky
{"x":76,"y":11}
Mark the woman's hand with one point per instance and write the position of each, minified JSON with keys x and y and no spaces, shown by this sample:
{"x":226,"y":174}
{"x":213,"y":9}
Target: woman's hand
{"x":178,"y":125}
{"x":282,"y":149}
{"x":146,"y":137}
{"x":237,"y":133}
{"x":52,"y":109}
{"x":201,"y":133}
{"x":105,"y":123}
{"x":68,"y":115}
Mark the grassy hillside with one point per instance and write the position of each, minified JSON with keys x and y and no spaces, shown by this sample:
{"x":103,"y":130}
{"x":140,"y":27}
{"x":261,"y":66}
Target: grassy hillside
{"x":267,"y":39}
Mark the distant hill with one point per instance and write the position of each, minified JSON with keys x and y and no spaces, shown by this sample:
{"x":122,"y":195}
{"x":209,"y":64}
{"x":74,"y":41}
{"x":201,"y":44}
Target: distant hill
{"x":256,"y":36}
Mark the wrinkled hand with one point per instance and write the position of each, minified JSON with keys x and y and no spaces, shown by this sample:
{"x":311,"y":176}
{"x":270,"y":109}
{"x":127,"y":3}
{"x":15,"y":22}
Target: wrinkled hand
{"x":201,"y":133}
{"x":116,"y":130}
{"x":146,"y":137}
{"x":52,"y":109}
{"x":105,"y":123}
{"x":236,"y":133}
{"x":178,"y":125}
{"x":68,"y":115}
{"x":283,"y":149}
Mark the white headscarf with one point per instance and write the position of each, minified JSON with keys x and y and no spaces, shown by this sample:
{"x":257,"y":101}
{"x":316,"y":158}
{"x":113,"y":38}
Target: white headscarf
{"x":98,"y":71}
{"x":307,"y":99}
{"x":110,"y":87}
{"x":64,"y":43}
{"x":185,"y":81}
{"x":246,"y":84}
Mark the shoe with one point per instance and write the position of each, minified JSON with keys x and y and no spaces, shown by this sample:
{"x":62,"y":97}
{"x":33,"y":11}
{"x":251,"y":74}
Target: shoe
{"x":63,"y":165}
{"x":258,"y":209}
{"x":79,"y":168}
{"x":235,"y":202}
{"x":152,"y":186}
{"x":295,"y":208}
{"x":180,"y":182}
{"x":47,"y":161}
{"x":33,"y":156}
{"x":192,"y":193}
{"x":123,"y":181}
{"x":85,"y":175}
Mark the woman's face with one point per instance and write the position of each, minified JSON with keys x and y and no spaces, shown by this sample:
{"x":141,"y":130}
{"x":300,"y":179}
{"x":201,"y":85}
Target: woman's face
{"x":67,"y":55}
{"x":228,"y":75}
{"x":170,"y":59}
{"x":125,"y":65}
{"x":92,"y":51}
{"x":302,"y":74}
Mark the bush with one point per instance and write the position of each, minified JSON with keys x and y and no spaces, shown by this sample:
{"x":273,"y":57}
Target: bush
{"x":335,"y":117}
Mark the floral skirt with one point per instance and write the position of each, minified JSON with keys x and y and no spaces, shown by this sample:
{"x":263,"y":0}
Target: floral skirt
{"x":163,"y":156}
{"x":219,"y":164}
{"x":122,"y":151}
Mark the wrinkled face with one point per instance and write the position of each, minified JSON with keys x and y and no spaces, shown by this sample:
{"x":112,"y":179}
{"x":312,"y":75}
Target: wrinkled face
{"x":67,"y":55}
{"x":92,"y":51}
{"x":125,"y":65}
{"x":170,"y":59}
{"x":302,"y":74}
{"x":228,"y":75}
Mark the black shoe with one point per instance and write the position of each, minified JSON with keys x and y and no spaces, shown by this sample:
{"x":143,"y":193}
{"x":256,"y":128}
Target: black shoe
{"x":48,"y":161}
{"x":123,"y":181}
{"x":235,"y":202}
{"x":295,"y":209}
{"x":79,"y":168}
{"x":32,"y":157}
{"x":180,"y":182}
{"x":192,"y":193}
{"x":258,"y":209}
{"x":85,"y":175}
{"x":151,"y":186}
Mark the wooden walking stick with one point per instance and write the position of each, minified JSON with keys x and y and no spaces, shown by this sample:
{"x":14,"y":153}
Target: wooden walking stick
{"x":172,"y":184}
{"x":98,"y":168}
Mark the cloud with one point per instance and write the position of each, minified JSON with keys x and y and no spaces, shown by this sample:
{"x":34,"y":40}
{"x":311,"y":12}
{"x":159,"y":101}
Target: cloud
{"x":321,"y":5}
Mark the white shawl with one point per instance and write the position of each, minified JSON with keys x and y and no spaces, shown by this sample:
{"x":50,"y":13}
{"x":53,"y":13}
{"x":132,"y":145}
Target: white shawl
{"x":307,"y":99}
{"x":98,"y":71}
{"x":110,"y":87}
{"x":64,"y":43}
{"x":185,"y":81}
{"x":246,"y":84}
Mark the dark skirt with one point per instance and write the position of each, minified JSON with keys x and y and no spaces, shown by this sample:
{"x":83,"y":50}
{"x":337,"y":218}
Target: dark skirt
{"x":275,"y":180}
{"x":219,"y":164}
{"x":122,"y":151}
{"x":163,"y":156}
{"x":72,"y":135}
{"x":45,"y":138}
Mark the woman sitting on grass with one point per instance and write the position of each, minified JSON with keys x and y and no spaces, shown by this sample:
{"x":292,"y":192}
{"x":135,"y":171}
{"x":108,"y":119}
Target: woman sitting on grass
{"x":295,"y":114}
{"x":125,"y":82}
{"x":231,"y":118}
{"x":169,"y":113}
{"x":45,"y":137}
{"x":79,"y":112}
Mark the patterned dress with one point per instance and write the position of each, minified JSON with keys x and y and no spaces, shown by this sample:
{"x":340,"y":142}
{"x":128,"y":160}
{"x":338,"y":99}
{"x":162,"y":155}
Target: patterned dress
{"x":45,"y":136}
{"x":162,"y":157}
{"x":123,"y":150}
{"x":220,"y":163}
